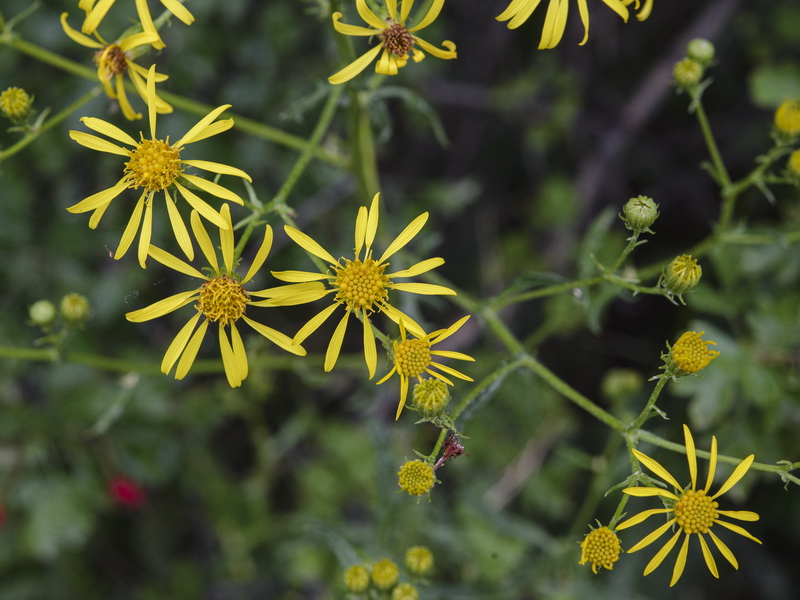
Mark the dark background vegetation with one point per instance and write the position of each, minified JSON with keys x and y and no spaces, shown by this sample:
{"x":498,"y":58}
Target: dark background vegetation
{"x":270,"y":490}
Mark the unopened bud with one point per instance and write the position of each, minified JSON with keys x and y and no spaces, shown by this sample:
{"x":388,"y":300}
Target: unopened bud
{"x":431,"y":397}
{"x":681,"y":275}
{"x":42,"y":313}
{"x":687,"y":73}
{"x":75,"y":308}
{"x":700,"y":50}
{"x":639,"y":213}
{"x":16,"y":104}
{"x":787,"y":117}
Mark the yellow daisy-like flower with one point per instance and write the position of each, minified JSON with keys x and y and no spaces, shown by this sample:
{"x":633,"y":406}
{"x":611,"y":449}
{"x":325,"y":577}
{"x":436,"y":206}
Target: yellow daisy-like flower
{"x":96,"y":10}
{"x":220,"y":299}
{"x":360,"y":286}
{"x":397,"y":41}
{"x":155,"y":165}
{"x":116,"y":59}
{"x":412,"y":358}
{"x":692,"y":511}
{"x":691,"y":354}
{"x":555,"y":21}
{"x":600,"y":547}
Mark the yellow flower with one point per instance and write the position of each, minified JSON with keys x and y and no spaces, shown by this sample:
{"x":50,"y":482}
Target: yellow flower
{"x":412,"y":358}
{"x":155,"y":165}
{"x":555,"y":21}
{"x":356,"y":579}
{"x":96,"y":10}
{"x":360,"y":286}
{"x":116,"y":59}
{"x":787,"y":117}
{"x":600,"y":547}
{"x":419,"y":560}
{"x":220,"y":299}
{"x":385,"y":574}
{"x":396,"y":40}
{"x":416,"y":477}
{"x":16,"y":104}
{"x":691,"y":510}
{"x":691,"y":354}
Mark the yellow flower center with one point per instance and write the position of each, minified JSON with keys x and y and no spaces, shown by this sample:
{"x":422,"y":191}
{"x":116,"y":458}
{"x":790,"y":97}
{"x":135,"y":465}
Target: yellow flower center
{"x":696,"y":512}
{"x":416,"y":477}
{"x":222,"y":299}
{"x":397,"y":40}
{"x":691,"y":353}
{"x":154,"y":165}
{"x":362,"y":286}
{"x":412,"y":356}
{"x":600,"y":547}
{"x":112,"y":61}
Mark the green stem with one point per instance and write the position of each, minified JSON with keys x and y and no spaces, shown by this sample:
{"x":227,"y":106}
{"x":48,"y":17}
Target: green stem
{"x":651,"y":402}
{"x":716,"y":158}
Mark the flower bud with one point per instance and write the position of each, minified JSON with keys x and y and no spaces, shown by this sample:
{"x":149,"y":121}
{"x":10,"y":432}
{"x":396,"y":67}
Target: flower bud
{"x":600,"y":547}
{"x":639,"y":213}
{"x":405,"y":591}
{"x":75,"y":308}
{"x":42,"y":313}
{"x":700,"y":50}
{"x":431,"y":397}
{"x":419,"y":560}
{"x":621,"y":384}
{"x":690,"y":353}
{"x":16,"y":104}
{"x":384,"y":574}
{"x":787,"y":117}
{"x":356,"y":579}
{"x":681,"y":275}
{"x":687,"y":73}
{"x":794,"y":164}
{"x":416,"y":477}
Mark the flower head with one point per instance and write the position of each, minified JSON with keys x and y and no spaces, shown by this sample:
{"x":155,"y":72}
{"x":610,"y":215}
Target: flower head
{"x":221,"y":298}
{"x":397,"y":42}
{"x":16,"y":104}
{"x":356,"y":579}
{"x":680,"y":276}
{"x":412,"y":358}
{"x":639,"y":213}
{"x":116,"y":59}
{"x":75,"y":308}
{"x":416,"y":477}
{"x":405,"y":591}
{"x":360,"y":286}
{"x":126,"y":492}
{"x":431,"y":397}
{"x":419,"y":560}
{"x":691,"y":510}
{"x":555,"y":21}
{"x":690,"y":353}
{"x":155,"y":165}
{"x":385,"y":574}
{"x":96,"y":10}
{"x":688,"y":73}
{"x":600,"y":547}
{"x":794,"y":164}
{"x":787,"y":117}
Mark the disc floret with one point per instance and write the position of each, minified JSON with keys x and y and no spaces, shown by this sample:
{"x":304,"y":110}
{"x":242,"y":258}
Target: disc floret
{"x":154,"y":165}
{"x":361,"y":286}
{"x":222,"y":299}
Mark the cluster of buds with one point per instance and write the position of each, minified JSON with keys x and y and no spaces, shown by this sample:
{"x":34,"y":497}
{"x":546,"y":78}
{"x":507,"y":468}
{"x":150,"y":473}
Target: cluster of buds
{"x":689,"y":71}
{"x":384,"y":577}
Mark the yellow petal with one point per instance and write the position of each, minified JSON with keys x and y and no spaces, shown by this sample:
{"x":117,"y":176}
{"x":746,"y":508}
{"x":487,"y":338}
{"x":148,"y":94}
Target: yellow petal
{"x":179,"y":10}
{"x":427,"y":289}
{"x":642,"y":516}
{"x":276,"y":337}
{"x":291,"y":295}
{"x":261,"y":256}
{"x":355,"y":67}
{"x":314,"y":323}
{"x":215,"y":167}
{"x":680,"y":562}
{"x":710,"y":562}
{"x":226,"y":239}
{"x":96,"y":15}
{"x":147,"y":22}
{"x":299,"y":276}
{"x":450,"y":354}
{"x":646,"y":492}
{"x":201,"y":206}
{"x":214,"y":189}
{"x":198,"y":131}
{"x":122,"y":98}
{"x":346,"y":29}
{"x":438,"y":376}
{"x":430,"y":17}
{"x":388,"y":375}
{"x":361,"y":229}
{"x":131,"y":228}
{"x":691,"y":455}
{"x":518,"y":12}
{"x":742,"y":515}
{"x":151,"y":97}
{"x":368,"y":16}
{"x":201,"y":235}
{"x":660,"y":555}
{"x":652,"y":537}
{"x":372,"y":222}
{"x":583,"y":10}
{"x":370,"y":349}
{"x":95,"y":143}
{"x":737,"y":474}
{"x":391,"y":7}
{"x":397,"y":316}
{"x":179,"y":227}
{"x":173,"y":262}
{"x":726,"y":552}
{"x":448,"y":53}
{"x":736,"y":529}
{"x":228,"y":361}
{"x":656,"y":468}
{"x":76,"y":36}
{"x":147,"y":229}
{"x":178,"y":344}
{"x":309,"y":245}
{"x":405,"y":236}
{"x":99,"y":199}
{"x":419,"y":268}
{"x":405,"y":9}
{"x":554,"y":24}
{"x":335,"y":345}
{"x":138,"y":39}
{"x":403,"y":396}
{"x":94,"y":220}
{"x":162,"y":307}
{"x":239,"y":353}
{"x":645,"y":12}
{"x":450,"y":331}
{"x":106,"y":128}
{"x":450,"y":371}
{"x":619,"y":8}
{"x":190,"y":352}
{"x":712,"y":464}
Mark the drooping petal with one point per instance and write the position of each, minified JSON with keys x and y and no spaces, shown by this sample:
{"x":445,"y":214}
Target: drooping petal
{"x":99,"y":199}
{"x":174,"y":263}
{"x":405,"y":10}
{"x":190,"y":352}
{"x":369,"y":17}
{"x":162,"y":307}
{"x":403,"y":396}
{"x":391,"y":7}
{"x":76,"y":36}
{"x":680,"y":562}
{"x":178,"y":344}
{"x":198,"y":132}
{"x":94,"y":220}
{"x":736,"y":529}
{"x":139,"y":39}
{"x":261,"y":255}
{"x":201,"y":206}
{"x":448,"y":53}
{"x":372,"y":222}
{"x":518,"y":12}
{"x":346,"y":29}
{"x":147,"y":23}
{"x":106,"y":128}
{"x":214,"y":189}
{"x":619,"y":8}
{"x":691,"y":455}
{"x":419,"y":268}
{"x":426,"y":289}
{"x":96,"y":15}
{"x":124,"y":103}
{"x":370,"y":349}
{"x":652,"y":537}
{"x":147,"y":230}
{"x":355,"y":67}
{"x":314,"y":323}
{"x":710,"y":562}
{"x":645,"y":12}
{"x":179,"y":227}
{"x":712,"y":464}
{"x":232,"y":369}
{"x":226,"y":239}
{"x":583,"y":10}
{"x":204,"y":241}
{"x":737,"y":474}
{"x":656,"y":468}
{"x":642,"y":516}
{"x":335,"y":345}
{"x":555,"y":21}
{"x":309,"y":245}
{"x":215,"y":167}
{"x":276,"y":337}
{"x":179,"y":10}
{"x":430,"y":17}
{"x":405,"y":236}
{"x":95,"y":143}
{"x":131,"y":228}
{"x":726,"y":552}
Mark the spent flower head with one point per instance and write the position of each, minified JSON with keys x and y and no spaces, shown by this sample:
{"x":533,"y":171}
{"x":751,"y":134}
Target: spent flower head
{"x":96,"y":11}
{"x":416,"y":477}
{"x":385,"y":574}
{"x":116,"y":59}
{"x":787,"y":117}
{"x":601,"y":548}
{"x":398,"y":42}
{"x":16,"y":104}
{"x":360,"y":286}
{"x":221,"y":299}
{"x":155,"y":165}
{"x":413,"y":357}
{"x":555,"y":20}
{"x":692,"y":511}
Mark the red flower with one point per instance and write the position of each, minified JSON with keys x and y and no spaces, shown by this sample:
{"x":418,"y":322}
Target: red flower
{"x":126,"y":492}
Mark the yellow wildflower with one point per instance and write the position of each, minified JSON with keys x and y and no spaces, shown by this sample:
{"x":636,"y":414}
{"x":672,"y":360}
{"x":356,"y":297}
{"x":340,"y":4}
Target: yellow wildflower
{"x":96,"y":10}
{"x":412,"y":358}
{"x":385,"y":574}
{"x":600,"y":547}
{"x":787,"y":117}
{"x":397,"y":41}
{"x":356,"y":579}
{"x":693,"y":511}
{"x":220,"y":299}
{"x":155,"y":165}
{"x":691,"y":354}
{"x":16,"y":104}
{"x":416,"y":477}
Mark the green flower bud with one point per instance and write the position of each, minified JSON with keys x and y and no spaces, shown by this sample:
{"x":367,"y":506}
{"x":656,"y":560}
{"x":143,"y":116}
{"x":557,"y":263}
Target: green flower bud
{"x":16,"y":104}
{"x":681,"y":275}
{"x":687,"y":73}
{"x":405,"y":591}
{"x":356,"y":579}
{"x":75,"y":308}
{"x":794,"y":164}
{"x":419,"y":560}
{"x":621,"y":384}
{"x":42,"y":313}
{"x":700,"y":50}
{"x":384,"y":574}
{"x":431,"y":397}
{"x":787,"y":117}
{"x":639,"y":213}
